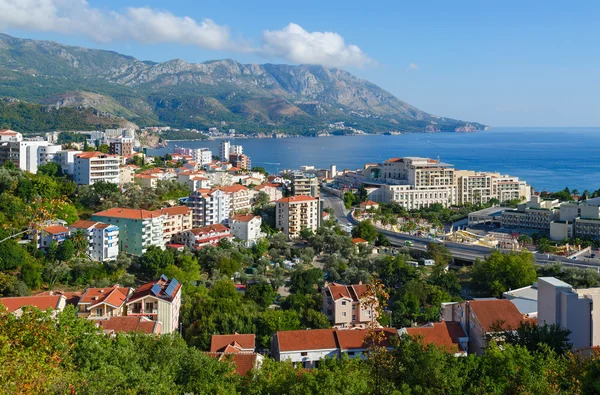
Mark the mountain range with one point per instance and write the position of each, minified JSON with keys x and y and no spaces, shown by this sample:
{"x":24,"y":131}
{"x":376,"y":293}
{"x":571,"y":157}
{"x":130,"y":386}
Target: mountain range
{"x":251,"y":98}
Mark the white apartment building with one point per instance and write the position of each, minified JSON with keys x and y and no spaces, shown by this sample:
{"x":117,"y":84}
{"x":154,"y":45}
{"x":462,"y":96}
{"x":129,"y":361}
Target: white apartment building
{"x":577,"y":219}
{"x":292,"y":214}
{"x":175,"y":220}
{"x":481,"y":187}
{"x":201,"y":156}
{"x":573,"y":309}
{"x":537,"y":213}
{"x":209,"y":207}
{"x":224,"y":150}
{"x":236,"y":150}
{"x":158,"y":300}
{"x":239,"y":198}
{"x":127,"y":174}
{"x":66,"y":160}
{"x":246,"y":228}
{"x":274,"y":191}
{"x":48,"y":153}
{"x":7,"y":135}
{"x":91,"y":167}
{"x":103,"y":239}
{"x":305,"y":184}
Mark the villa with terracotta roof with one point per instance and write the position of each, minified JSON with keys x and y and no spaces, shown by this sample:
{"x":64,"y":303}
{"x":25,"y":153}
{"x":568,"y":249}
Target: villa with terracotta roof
{"x":103,"y":239}
{"x":158,"y":300}
{"x":447,"y":334}
{"x":294,"y":213}
{"x":91,"y":167}
{"x":246,"y":227}
{"x":15,"y":305}
{"x":369,"y":204}
{"x":129,"y":324}
{"x":243,"y":362}
{"x":103,"y":303}
{"x":231,"y":343}
{"x":307,"y":347}
{"x":7,"y":135}
{"x":342,"y":305}
{"x":197,"y":238}
{"x":138,"y":229}
{"x":482,"y":319}
{"x":53,"y":234}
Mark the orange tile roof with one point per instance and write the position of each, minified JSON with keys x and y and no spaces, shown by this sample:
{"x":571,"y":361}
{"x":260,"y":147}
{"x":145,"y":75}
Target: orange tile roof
{"x":244,"y":218}
{"x":145,"y":176}
{"x":490,"y":312}
{"x":114,"y":296}
{"x":219,"y":342}
{"x":309,"y":339}
{"x":73,"y":297}
{"x":56,"y":229}
{"x":354,"y":292}
{"x":130,"y":324}
{"x":294,"y":199}
{"x":233,"y":188}
{"x":358,"y":240}
{"x":443,"y":334}
{"x":357,"y":338}
{"x":145,"y":290}
{"x":8,"y":132}
{"x":243,"y":362}
{"x":83,"y":224}
{"x":128,"y":213}
{"x":176,"y":210}
{"x":369,"y":203}
{"x":392,"y":160}
{"x":95,"y":154}
{"x":210,"y":228}
{"x":41,"y":302}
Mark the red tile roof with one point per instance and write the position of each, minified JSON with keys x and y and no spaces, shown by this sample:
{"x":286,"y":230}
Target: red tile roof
{"x":128,"y":213}
{"x":358,"y":240}
{"x":294,"y":199}
{"x":310,"y":339}
{"x":357,"y":338}
{"x":233,"y":188}
{"x":114,"y":296}
{"x":83,"y":224}
{"x":7,"y":132}
{"x":369,"y":203}
{"x":41,"y":302}
{"x":490,"y":312}
{"x":243,"y":362}
{"x":219,"y":342}
{"x":354,"y":292}
{"x":146,"y":290}
{"x":244,"y":218}
{"x":443,"y":334}
{"x":72,"y":297}
{"x":56,"y":229}
{"x":95,"y":154}
{"x":177,"y":210}
{"x":210,"y":229}
{"x":130,"y":324}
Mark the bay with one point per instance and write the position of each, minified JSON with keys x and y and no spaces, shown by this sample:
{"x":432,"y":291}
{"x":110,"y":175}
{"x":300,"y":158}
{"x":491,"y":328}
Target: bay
{"x":547,"y":158}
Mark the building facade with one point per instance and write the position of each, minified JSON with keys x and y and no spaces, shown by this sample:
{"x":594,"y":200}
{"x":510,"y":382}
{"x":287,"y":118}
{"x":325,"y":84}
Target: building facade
{"x":292,"y":214}
{"x":103,"y":239}
{"x":346,"y":307}
{"x":175,"y":220}
{"x":305,"y":184}
{"x":209,"y":207}
{"x":91,"y":167}
{"x":197,"y":238}
{"x":246,"y":228}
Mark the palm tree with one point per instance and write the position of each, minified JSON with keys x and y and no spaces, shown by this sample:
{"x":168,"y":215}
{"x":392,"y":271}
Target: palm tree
{"x":80,"y":242}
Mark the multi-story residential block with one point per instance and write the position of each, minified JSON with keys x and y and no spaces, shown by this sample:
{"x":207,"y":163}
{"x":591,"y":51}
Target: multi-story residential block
{"x":274,"y":191}
{"x":246,"y":228}
{"x":209,"y":207}
{"x":239,"y":198}
{"x":48,"y":153}
{"x":484,"y":319}
{"x":240,"y":161}
{"x":126,"y":174}
{"x":573,"y":309}
{"x":577,"y":219}
{"x":91,"y":167}
{"x":346,"y":306}
{"x":53,"y":234}
{"x":197,"y":238}
{"x":306,"y":184}
{"x":103,"y":303}
{"x":292,"y":214}
{"x":103,"y":239}
{"x":66,"y":160}
{"x":481,"y":187}
{"x":176,"y":220}
{"x":201,"y":156}
{"x":138,"y":229}
{"x":158,"y":300}
{"x":121,"y":146}
{"x":224,"y":150}
{"x":537,"y":213}
{"x":195,"y":179}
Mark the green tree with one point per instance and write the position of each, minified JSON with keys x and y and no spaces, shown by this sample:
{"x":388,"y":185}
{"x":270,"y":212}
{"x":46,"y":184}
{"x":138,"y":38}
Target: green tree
{"x":262,"y":199}
{"x":365,"y":230}
{"x":271,"y":321}
{"x":51,"y":169}
{"x":155,"y":260}
{"x":31,"y":273}
{"x":261,"y":293}
{"x":306,"y":281}
{"x":439,"y":253}
{"x":349,"y":199}
{"x":532,"y":336}
{"x":66,"y":250}
{"x":499,"y":272}
{"x":12,"y":255}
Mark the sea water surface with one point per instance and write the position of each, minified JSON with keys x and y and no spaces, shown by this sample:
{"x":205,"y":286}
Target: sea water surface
{"x":547,"y":158}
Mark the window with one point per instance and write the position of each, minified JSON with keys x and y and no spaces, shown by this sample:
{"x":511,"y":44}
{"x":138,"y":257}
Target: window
{"x":344,"y":314}
{"x":353,"y":317}
{"x":99,"y":311}
{"x":304,"y":354}
{"x":343,"y":303}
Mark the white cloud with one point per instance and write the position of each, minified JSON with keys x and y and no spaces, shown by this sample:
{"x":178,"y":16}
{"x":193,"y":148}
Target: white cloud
{"x":295,"y":44}
{"x":413,"y":66}
{"x":144,"y":25}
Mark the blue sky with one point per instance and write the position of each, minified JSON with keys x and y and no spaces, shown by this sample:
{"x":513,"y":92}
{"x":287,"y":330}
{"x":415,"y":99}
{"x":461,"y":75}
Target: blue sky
{"x":525,"y":63}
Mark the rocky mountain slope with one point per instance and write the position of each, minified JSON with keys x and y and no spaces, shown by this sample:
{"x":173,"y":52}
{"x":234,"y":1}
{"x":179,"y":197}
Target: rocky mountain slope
{"x":300,"y":99}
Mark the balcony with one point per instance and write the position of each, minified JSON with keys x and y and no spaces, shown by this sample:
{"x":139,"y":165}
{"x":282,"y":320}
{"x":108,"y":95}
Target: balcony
{"x":143,"y":311}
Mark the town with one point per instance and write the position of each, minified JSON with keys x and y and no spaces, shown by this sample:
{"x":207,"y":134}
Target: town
{"x":386,"y":265}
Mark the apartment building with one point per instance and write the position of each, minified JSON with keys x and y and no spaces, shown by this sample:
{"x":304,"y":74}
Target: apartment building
{"x":127,"y":174}
{"x":66,"y":160}
{"x":53,"y":234}
{"x":274,"y":191}
{"x":240,"y":161}
{"x":481,"y":187}
{"x":138,"y":229}
{"x":303,"y":183}
{"x":103,"y":239}
{"x":573,"y":309}
{"x":342,"y":305}
{"x":209,"y":206}
{"x":239,"y":198}
{"x":197,"y":238}
{"x":201,"y":156}
{"x":577,"y":219}
{"x":292,"y":214}
{"x":175,"y":220}
{"x":158,"y":300}
{"x":91,"y":167}
{"x":224,"y":150}
{"x":121,"y":146}
{"x":537,"y":213}
{"x":48,"y":153}
{"x":247,"y":228}
{"x":103,"y":303}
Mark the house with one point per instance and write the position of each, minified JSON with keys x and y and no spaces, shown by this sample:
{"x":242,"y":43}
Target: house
{"x":239,"y":342}
{"x":446,"y":334}
{"x":15,"y":305}
{"x":358,"y":243}
{"x":146,"y":180}
{"x":138,"y":229}
{"x":342,"y":305}
{"x":208,"y":235}
{"x":246,"y":228}
{"x":306,"y":348}
{"x":103,"y":303}
{"x":242,"y":361}
{"x":483,"y":319}
{"x":158,"y":300}
{"x":129,"y":324}
{"x":103,"y":239}
{"x":369,"y":204}
{"x":72,"y":297}
{"x":274,"y":191}
{"x":126,"y":174}
{"x":53,"y":233}
{"x":175,"y":220}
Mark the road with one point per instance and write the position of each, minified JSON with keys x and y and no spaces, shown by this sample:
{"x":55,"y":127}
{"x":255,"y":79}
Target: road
{"x":459,"y":251}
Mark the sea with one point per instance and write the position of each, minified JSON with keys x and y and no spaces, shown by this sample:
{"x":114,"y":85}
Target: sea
{"x":547,"y":158}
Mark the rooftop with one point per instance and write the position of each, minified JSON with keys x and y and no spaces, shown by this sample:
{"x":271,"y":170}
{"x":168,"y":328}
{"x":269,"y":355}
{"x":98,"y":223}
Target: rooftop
{"x":244,"y":218}
{"x":129,"y":324}
{"x":295,"y":199}
{"x":220,"y":342}
{"x":128,"y":213}
{"x":114,"y":296}
{"x":445,"y":334}
{"x":56,"y":229}
{"x":163,"y":289}
{"x":42,"y":302}
{"x":492,"y":312}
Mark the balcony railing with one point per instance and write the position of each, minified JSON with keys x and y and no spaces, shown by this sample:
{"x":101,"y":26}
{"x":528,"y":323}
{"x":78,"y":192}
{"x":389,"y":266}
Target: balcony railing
{"x":143,"y":311}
